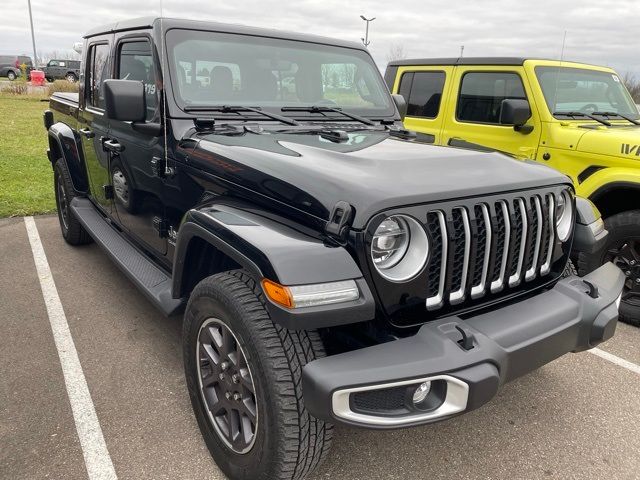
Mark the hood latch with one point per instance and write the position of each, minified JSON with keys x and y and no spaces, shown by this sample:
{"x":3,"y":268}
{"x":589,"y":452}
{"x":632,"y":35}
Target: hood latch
{"x":340,"y":220}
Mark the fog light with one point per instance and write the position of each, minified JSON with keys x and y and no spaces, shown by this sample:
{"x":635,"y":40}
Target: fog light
{"x":421,"y":393}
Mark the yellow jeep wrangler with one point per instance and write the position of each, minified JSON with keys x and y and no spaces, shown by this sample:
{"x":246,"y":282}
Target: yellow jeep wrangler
{"x":577,"y":118}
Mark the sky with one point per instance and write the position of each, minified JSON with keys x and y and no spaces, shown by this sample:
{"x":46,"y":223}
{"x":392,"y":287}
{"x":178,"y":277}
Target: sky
{"x":602,"y":32}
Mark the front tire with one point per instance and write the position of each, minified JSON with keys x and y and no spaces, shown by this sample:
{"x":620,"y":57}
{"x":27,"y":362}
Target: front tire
{"x":72,"y":230}
{"x":281,"y":440}
{"x":11,"y":75}
{"x":623,"y":249}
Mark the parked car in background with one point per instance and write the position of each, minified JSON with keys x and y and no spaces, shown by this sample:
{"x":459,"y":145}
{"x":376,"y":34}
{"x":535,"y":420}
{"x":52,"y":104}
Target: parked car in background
{"x":59,"y":69}
{"x":10,"y":66}
{"x":577,"y":118}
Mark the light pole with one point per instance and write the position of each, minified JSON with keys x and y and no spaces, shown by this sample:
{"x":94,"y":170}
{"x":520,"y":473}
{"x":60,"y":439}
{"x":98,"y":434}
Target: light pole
{"x":33,"y":37}
{"x":365,"y":40}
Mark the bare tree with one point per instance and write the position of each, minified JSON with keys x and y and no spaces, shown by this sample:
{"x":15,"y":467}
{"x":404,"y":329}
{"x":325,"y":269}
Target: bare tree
{"x":633,"y":85}
{"x":396,"y":52}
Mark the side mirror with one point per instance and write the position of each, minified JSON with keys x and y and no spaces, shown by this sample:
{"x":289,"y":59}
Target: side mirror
{"x":514,"y":112}
{"x":125,"y":100}
{"x":401,"y":104}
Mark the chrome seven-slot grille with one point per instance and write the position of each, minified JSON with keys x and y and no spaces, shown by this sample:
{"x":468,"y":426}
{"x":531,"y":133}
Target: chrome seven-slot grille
{"x":489,"y":246}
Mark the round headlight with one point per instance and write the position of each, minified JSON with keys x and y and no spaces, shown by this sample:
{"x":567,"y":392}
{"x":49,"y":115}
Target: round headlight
{"x":399,"y":248}
{"x":564,"y":215}
{"x":390,"y":242}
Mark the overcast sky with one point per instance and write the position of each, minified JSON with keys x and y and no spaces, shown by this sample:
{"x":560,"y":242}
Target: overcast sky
{"x":598,"y":31}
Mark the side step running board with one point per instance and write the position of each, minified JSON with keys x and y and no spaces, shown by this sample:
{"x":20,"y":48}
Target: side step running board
{"x":153,"y":281}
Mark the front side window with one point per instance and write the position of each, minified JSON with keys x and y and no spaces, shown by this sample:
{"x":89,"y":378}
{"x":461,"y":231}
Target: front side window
{"x":97,"y":72}
{"x":213,"y":69}
{"x":422,"y":92}
{"x":53,"y":63}
{"x":482,"y":93}
{"x":580,"y":90}
{"x":135,"y":62}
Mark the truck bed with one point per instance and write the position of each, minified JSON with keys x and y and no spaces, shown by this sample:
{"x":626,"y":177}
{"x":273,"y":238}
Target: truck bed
{"x":65,"y":107}
{"x":68,"y":97}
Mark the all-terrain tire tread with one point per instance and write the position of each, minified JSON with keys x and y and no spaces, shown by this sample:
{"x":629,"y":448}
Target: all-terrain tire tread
{"x":307,"y":439}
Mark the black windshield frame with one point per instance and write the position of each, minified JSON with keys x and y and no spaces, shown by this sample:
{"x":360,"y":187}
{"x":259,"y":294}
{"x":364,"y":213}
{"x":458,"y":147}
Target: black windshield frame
{"x":384,"y":109}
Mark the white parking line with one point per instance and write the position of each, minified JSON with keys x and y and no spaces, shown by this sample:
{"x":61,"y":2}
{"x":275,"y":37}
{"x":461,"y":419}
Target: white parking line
{"x":621,"y":362}
{"x":94,"y":449}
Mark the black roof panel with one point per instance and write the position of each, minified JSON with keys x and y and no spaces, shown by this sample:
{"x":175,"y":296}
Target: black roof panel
{"x":149,"y":22}
{"x":460,"y":61}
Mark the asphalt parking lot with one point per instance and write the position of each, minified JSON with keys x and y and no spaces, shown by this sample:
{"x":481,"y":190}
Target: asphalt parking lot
{"x":578,"y":417}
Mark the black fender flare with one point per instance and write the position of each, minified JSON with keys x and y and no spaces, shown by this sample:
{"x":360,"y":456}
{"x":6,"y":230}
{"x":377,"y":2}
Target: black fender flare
{"x":64,"y":144}
{"x":268,"y":249}
{"x":603,"y":192}
{"x":589,"y":234}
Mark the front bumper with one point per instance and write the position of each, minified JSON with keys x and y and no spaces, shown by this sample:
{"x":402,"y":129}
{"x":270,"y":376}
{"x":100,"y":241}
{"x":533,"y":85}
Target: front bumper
{"x":503,"y":344}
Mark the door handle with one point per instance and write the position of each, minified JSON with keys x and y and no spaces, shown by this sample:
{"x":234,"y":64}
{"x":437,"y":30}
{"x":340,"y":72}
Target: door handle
{"x":87,"y":133}
{"x":110,"y":145}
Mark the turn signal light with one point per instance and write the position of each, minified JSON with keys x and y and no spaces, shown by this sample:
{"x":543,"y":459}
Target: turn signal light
{"x":300,"y":296}
{"x":277,"y":293}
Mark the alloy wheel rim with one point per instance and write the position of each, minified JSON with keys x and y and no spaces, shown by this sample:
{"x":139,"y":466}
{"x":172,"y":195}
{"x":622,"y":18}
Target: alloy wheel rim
{"x":226,"y":386}
{"x":626,"y":255}
{"x":63,"y":206}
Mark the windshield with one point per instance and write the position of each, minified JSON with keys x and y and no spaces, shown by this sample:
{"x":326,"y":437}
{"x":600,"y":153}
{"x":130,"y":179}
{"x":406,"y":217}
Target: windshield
{"x":210,"y":68}
{"x":586,"y":91}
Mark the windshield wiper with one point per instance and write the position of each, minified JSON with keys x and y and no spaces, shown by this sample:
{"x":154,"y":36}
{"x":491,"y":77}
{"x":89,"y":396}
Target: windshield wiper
{"x":324,"y":108}
{"x":582,"y":114}
{"x":616,"y":114}
{"x":239,"y":109}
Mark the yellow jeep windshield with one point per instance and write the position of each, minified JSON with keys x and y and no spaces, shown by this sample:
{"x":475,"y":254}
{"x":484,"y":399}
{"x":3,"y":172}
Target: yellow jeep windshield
{"x":580,"y":90}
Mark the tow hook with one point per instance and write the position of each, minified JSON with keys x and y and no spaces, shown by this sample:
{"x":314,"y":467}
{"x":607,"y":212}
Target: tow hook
{"x":593,"y":290}
{"x":466,"y":342}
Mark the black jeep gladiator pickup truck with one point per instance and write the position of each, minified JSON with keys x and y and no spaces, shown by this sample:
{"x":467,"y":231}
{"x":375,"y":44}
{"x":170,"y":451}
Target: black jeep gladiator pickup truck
{"x":332,"y":269}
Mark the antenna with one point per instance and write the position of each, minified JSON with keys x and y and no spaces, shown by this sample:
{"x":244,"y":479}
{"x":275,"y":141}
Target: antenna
{"x":555,"y":94}
{"x":461,"y":51}
{"x":167,"y":169}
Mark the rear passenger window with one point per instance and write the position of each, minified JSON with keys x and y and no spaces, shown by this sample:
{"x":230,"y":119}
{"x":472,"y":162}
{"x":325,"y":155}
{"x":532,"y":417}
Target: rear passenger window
{"x":97,"y":73}
{"x":423,"y":92}
{"x":135,"y":62}
{"x":482,"y":93}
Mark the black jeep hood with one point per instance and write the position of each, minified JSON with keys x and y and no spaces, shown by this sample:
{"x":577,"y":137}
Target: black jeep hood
{"x":372,"y":171}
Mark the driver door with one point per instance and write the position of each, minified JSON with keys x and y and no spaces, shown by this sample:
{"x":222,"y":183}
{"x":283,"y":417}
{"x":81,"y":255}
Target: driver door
{"x":137,"y":188}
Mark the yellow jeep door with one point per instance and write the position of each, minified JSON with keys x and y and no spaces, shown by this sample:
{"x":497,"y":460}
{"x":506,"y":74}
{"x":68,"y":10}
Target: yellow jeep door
{"x":474,"y":110}
{"x":423,"y":88}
